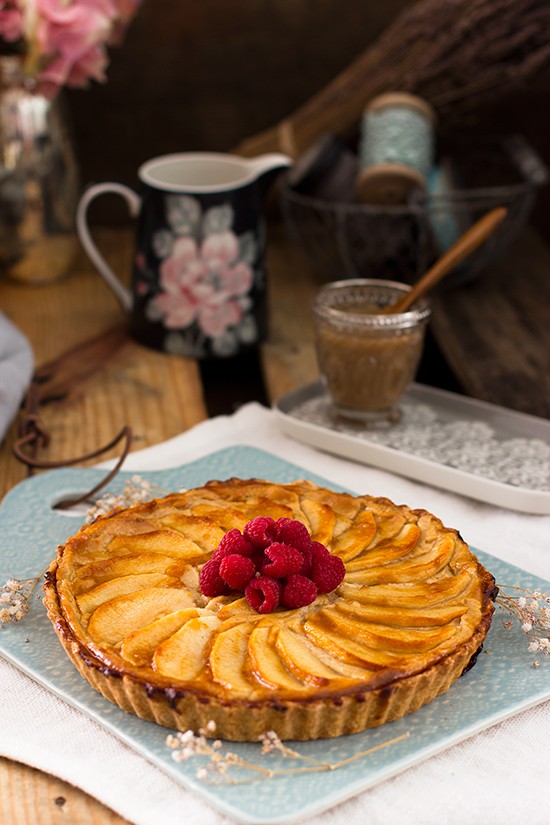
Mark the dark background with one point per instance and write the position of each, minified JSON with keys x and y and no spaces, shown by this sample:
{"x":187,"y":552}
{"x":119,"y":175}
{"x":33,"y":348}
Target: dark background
{"x":204,"y":76}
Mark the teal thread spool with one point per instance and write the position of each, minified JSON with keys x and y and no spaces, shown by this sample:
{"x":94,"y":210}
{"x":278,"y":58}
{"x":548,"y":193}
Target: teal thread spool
{"x":396,"y":148}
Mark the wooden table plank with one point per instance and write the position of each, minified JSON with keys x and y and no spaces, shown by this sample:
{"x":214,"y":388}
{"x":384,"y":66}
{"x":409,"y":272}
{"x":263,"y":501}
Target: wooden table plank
{"x":29,"y":797}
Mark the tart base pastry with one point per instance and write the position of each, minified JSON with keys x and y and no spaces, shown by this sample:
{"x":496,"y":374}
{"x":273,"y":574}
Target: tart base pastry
{"x":409,"y":618}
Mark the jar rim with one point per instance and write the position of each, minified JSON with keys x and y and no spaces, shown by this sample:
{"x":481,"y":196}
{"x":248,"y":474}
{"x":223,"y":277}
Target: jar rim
{"x":418,"y":313}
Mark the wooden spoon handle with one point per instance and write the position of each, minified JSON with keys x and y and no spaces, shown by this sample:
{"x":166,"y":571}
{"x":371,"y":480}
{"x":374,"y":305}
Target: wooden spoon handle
{"x":464,"y":246}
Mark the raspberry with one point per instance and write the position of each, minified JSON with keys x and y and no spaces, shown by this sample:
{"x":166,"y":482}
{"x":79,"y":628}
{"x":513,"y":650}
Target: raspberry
{"x":263,"y":594}
{"x":316,"y":550}
{"x":327,"y":572}
{"x":210,"y":581}
{"x":258,"y":557}
{"x":281,"y":560}
{"x":319,"y":551}
{"x":260,"y":531}
{"x":293,"y":532}
{"x":307,"y":557}
{"x":232,"y":542}
{"x":298,"y":591}
{"x":236,"y":570}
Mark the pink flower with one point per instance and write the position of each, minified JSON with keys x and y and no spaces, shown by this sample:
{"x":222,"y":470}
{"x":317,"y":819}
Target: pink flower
{"x":203,"y":284}
{"x":65,"y":40}
{"x":11,"y":23}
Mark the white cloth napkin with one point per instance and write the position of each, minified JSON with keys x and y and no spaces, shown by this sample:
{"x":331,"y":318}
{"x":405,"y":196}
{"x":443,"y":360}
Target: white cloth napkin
{"x":496,"y":777}
{"x":16,"y":365}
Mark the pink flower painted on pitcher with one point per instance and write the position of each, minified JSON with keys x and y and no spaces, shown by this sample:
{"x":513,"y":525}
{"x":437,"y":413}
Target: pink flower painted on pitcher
{"x":203,"y":284}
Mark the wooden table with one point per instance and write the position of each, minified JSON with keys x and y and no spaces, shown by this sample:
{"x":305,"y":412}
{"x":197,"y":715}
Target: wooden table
{"x":495,"y":334}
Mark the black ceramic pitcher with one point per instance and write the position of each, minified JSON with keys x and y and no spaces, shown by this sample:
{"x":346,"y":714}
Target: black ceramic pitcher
{"x":199,"y":280}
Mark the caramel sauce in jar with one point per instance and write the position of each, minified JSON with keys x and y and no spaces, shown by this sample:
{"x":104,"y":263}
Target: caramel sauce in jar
{"x":367,"y":358}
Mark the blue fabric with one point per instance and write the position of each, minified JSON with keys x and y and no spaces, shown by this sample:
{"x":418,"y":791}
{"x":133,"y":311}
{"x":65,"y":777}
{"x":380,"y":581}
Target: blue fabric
{"x":16,"y":366}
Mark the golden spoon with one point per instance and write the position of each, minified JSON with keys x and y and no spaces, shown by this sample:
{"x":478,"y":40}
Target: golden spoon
{"x":464,"y":246}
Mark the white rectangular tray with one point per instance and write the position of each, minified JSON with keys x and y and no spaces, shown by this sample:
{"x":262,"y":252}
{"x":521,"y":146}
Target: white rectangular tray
{"x":446,"y":440}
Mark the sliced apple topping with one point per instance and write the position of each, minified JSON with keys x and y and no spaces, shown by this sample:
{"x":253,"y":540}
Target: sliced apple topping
{"x":321,"y":519}
{"x":266,"y":664}
{"x":401,"y":595}
{"x":301,"y":660}
{"x":346,"y":646}
{"x":166,"y":542}
{"x":183,"y":656}
{"x":419,"y":567}
{"x":228,"y":659}
{"x":111,"y":568}
{"x":389,"y":550}
{"x":356,"y":538}
{"x":122,"y":586}
{"x":138,"y":647}
{"x":112,"y":621}
{"x":200,"y":530}
{"x":421,"y":616}
{"x":382,"y":638}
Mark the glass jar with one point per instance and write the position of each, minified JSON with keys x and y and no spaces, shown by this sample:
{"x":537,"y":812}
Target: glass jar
{"x":367,"y":357}
{"x":39,"y":182}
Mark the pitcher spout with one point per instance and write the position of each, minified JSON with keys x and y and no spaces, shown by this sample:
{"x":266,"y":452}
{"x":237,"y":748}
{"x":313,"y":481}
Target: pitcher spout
{"x":263,"y":167}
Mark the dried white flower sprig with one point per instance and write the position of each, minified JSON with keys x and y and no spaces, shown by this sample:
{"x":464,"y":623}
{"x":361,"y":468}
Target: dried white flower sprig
{"x":136,"y":490}
{"x":531,"y":608}
{"x":14,"y":598}
{"x":187,"y":744}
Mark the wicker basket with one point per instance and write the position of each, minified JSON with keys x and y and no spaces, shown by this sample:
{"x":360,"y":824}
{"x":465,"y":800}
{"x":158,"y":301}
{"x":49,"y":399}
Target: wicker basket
{"x":345,"y":239}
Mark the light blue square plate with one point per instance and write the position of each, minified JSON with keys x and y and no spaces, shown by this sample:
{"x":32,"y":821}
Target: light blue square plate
{"x":502,"y":683}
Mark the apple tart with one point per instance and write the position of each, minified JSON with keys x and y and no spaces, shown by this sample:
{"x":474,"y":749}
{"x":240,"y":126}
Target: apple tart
{"x":125,"y":596}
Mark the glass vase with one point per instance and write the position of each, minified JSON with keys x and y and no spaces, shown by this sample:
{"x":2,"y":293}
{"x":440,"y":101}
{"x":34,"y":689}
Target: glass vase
{"x":39,"y":183}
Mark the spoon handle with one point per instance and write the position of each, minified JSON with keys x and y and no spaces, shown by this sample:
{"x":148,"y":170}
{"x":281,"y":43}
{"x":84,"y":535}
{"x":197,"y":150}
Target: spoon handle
{"x":464,"y":246}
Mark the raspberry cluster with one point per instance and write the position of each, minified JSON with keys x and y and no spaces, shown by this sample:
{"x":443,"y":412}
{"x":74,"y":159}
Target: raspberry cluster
{"x":274,"y":563}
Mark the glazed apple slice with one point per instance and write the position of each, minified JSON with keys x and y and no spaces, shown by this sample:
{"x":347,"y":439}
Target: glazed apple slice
{"x":396,"y":595}
{"x":420,"y":616}
{"x":345,"y":668}
{"x":122,"y":586}
{"x":321,"y":520}
{"x":139,"y":647}
{"x":266,"y":506}
{"x":166,"y":542}
{"x":237,"y":607}
{"x":111,"y":568}
{"x":379,"y":638}
{"x":200,"y":530}
{"x":423,"y":566}
{"x":183,"y":656}
{"x":347,"y":648}
{"x":228,"y":657}
{"x":389,"y":520}
{"x":266,"y":665}
{"x":301,"y":660}
{"x":112,"y":621}
{"x":228,"y":518}
{"x":356,"y":538}
{"x":387,"y":551}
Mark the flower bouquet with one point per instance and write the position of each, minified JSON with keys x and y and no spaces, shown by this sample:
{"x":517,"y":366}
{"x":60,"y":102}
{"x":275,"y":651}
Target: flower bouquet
{"x":64,"y":42}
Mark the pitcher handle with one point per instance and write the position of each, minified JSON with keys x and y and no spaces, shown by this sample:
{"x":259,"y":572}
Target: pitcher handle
{"x":134,"y":202}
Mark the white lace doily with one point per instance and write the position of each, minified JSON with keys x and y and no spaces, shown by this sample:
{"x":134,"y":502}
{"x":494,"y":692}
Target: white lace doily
{"x":464,"y":444}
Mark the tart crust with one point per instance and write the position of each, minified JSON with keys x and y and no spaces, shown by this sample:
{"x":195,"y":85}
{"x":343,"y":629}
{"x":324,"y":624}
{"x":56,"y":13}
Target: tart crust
{"x":408,"y":619}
